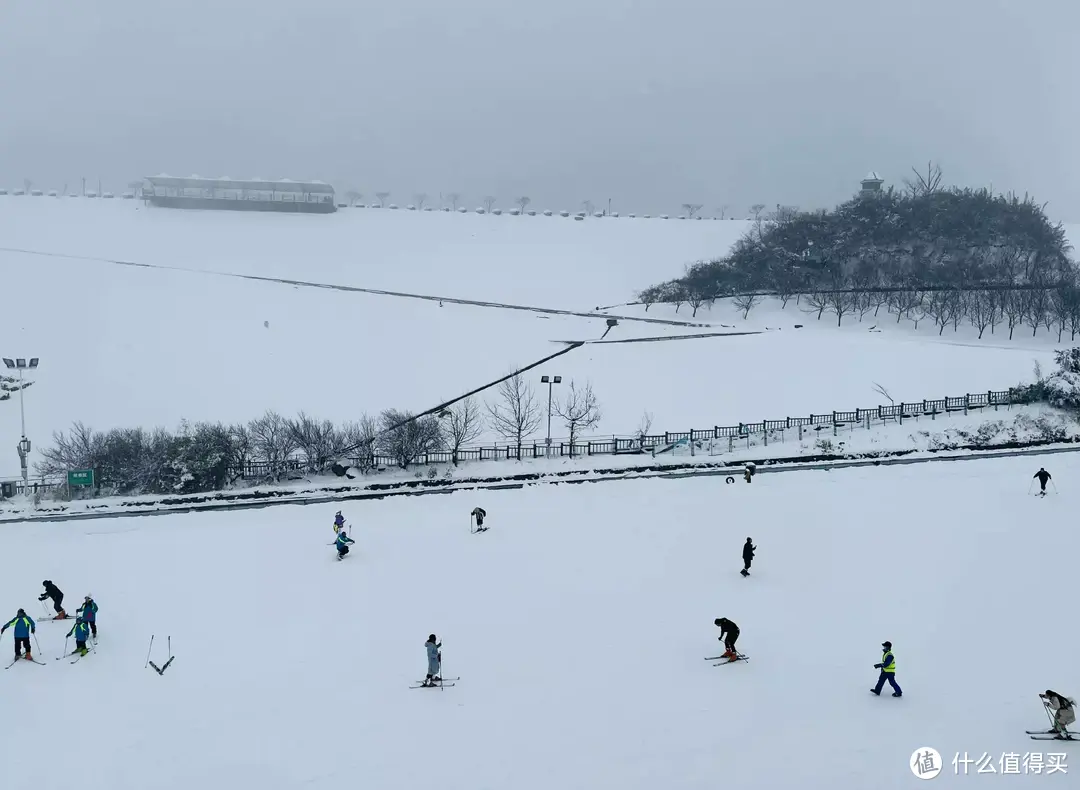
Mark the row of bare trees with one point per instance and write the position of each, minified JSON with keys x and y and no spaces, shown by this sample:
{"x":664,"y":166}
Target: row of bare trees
{"x":208,"y":456}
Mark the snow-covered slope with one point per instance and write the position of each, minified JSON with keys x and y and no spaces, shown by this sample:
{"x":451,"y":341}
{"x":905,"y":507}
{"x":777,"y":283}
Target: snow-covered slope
{"x":578,"y":626}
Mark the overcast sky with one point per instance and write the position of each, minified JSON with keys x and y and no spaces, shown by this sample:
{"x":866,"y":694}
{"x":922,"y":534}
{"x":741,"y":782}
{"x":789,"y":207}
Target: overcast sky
{"x":651,"y":103}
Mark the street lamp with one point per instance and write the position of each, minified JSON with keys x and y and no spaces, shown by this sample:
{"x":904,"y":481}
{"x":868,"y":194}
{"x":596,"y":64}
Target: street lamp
{"x":23,"y":447}
{"x":551,"y":381}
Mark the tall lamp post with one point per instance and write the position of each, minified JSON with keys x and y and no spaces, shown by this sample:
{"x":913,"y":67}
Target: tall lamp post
{"x":23,"y":447}
{"x":551,"y":381}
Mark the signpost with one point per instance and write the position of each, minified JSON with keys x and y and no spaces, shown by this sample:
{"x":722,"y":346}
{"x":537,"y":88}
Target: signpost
{"x":80,"y":478}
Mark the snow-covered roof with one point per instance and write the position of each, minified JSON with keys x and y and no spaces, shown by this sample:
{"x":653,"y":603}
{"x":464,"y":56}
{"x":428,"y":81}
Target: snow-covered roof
{"x":873,"y":176}
{"x":196,"y":182}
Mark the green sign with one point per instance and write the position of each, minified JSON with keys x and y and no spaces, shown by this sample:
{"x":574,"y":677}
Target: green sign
{"x":81,"y":477}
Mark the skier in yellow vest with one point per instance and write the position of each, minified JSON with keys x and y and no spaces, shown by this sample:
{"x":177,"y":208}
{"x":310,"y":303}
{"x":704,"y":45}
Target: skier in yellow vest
{"x":888,"y":671}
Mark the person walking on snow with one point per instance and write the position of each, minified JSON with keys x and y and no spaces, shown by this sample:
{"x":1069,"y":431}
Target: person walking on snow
{"x":52,"y":591}
{"x":1063,"y":710}
{"x":888,"y":671}
{"x":434,"y":661}
{"x":729,"y":633}
{"x":339,"y":522}
{"x":89,"y":611}
{"x":24,"y":626}
{"x":748,"y":550}
{"x":1043,"y":477}
{"x":342,"y":544}
{"x":81,"y":632}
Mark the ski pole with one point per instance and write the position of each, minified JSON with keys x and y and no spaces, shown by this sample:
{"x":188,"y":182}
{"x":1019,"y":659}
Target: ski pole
{"x":36,"y":643}
{"x":1055,"y":486}
{"x":1031,"y":485}
{"x":147,"y":651}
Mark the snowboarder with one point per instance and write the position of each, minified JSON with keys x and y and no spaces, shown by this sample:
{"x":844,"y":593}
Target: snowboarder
{"x":888,"y":671}
{"x":1063,"y":710}
{"x":479,"y":514}
{"x":89,"y":611}
{"x":748,"y":550}
{"x":434,"y":661}
{"x":342,"y":544}
{"x":52,"y":591}
{"x":81,"y":632}
{"x":1043,"y":477}
{"x":729,"y":632}
{"x":24,"y":626}
{"x":339,"y":522}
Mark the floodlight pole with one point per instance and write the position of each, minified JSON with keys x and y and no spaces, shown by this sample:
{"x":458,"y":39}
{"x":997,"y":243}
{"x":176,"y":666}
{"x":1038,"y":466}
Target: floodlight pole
{"x":551,"y":381}
{"x":24,"y":445}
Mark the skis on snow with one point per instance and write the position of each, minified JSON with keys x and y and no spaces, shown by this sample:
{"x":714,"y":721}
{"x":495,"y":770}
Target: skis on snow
{"x":444,"y":683}
{"x":23,"y":658}
{"x":738,"y":657}
{"x":1051,"y":735}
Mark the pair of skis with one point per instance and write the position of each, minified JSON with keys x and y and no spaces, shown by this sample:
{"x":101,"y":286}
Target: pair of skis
{"x":738,"y":657}
{"x":1051,"y":735}
{"x":444,"y":683}
{"x":24,"y":658}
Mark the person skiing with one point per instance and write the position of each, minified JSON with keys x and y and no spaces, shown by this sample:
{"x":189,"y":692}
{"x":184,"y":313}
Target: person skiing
{"x":339,"y":522}
{"x":52,"y":591}
{"x":81,"y":632}
{"x":24,"y":626}
{"x":729,"y":632}
{"x":748,"y":473}
{"x":479,"y":514}
{"x":342,"y":543}
{"x":434,"y":661}
{"x":888,"y":671}
{"x":748,"y":550}
{"x":1063,"y":710}
{"x":89,"y":611}
{"x":1043,"y":477}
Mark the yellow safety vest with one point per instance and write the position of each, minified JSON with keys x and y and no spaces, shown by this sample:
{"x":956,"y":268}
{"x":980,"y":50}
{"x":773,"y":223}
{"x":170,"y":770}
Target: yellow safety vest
{"x":889,"y":661}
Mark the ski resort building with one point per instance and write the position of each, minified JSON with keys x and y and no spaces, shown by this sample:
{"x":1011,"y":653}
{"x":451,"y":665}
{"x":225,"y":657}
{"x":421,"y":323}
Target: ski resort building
{"x":194,"y":192}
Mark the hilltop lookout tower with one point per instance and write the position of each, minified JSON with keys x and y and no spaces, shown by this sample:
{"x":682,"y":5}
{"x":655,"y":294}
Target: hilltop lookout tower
{"x":871,"y":185}
{"x":304,"y":197}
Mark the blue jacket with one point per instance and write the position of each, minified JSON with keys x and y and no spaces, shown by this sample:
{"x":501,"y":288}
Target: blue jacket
{"x":81,"y":632}
{"x":24,"y":626}
{"x":886,"y":659}
{"x":89,"y":611}
{"x":433,"y":657}
{"x":343,"y":540}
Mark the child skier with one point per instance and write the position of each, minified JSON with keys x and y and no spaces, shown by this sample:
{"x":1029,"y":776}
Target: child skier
{"x":729,"y":633}
{"x":89,"y":611}
{"x":339,"y":522}
{"x":1043,"y":477}
{"x":52,"y":591}
{"x":342,"y":544}
{"x":888,"y":671}
{"x":434,"y":661}
{"x":748,"y":550}
{"x":1063,"y":710}
{"x":24,"y":626}
{"x":81,"y":632}
{"x":479,"y":514}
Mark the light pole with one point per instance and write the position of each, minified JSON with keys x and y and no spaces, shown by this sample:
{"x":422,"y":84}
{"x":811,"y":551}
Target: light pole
{"x":551,"y":381}
{"x":23,"y":447}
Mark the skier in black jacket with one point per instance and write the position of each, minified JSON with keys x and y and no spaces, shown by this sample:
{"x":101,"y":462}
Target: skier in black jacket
{"x":748,"y":550}
{"x":1043,"y":477}
{"x":52,"y":591}
{"x":729,"y":633}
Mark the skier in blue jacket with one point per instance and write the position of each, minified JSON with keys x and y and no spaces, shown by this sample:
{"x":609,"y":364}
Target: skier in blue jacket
{"x":81,"y":632}
{"x":24,"y":626}
{"x":342,"y":544}
{"x":89,"y":611}
{"x":434,"y":661}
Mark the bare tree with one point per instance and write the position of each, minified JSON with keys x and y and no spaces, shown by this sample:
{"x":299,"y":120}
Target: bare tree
{"x":817,"y":301}
{"x":1012,"y":308}
{"x":489,"y":201}
{"x":454,"y":198}
{"x":405,"y":438}
{"x":579,"y":411}
{"x":840,"y":303}
{"x":723,"y":211}
{"x":523,"y":202}
{"x":382,"y":197}
{"x":357,"y":439}
{"x":747,"y":302}
{"x":644,"y":426}
{"x":318,"y":440}
{"x":463,"y":425}
{"x":940,"y":306}
{"x":77,"y":449}
{"x":241,"y":449}
{"x":516,"y":415}
{"x":696,"y":297}
{"x":880,"y":390}
{"x":784,"y":214}
{"x":1038,"y":305}
{"x":980,"y":309}
{"x":354,"y":197}
{"x":924,"y":185}
{"x":691,"y":209}
{"x":272,"y":442}
{"x":588,"y":206}
{"x":756,"y":210}
{"x":420,"y":200}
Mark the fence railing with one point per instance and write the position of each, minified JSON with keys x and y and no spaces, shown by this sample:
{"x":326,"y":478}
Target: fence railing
{"x":654,"y":444}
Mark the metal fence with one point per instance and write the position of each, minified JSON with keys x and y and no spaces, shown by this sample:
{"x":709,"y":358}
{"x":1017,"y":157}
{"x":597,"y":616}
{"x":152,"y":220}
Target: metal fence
{"x":653,"y":444}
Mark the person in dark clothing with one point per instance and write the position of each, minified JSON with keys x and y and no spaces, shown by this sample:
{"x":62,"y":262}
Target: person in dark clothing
{"x":748,"y":550}
{"x":888,"y":672}
{"x":1043,"y":477}
{"x":479,"y":514}
{"x":52,"y":591}
{"x":729,"y":633}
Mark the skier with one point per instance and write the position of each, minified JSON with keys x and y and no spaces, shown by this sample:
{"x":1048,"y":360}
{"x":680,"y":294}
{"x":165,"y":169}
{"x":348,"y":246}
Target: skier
{"x":748,"y":473}
{"x":434,"y":661}
{"x":888,"y":671}
{"x":24,"y":626}
{"x":1042,"y":476}
{"x":89,"y":611}
{"x":339,"y":522}
{"x":729,"y":632}
{"x":81,"y":632}
{"x":52,"y":591}
{"x":1062,"y":708}
{"x":479,"y":514}
{"x":748,"y":550}
{"x":342,"y":544}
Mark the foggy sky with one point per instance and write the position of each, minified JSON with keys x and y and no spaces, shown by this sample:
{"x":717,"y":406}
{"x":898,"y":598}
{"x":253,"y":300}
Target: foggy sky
{"x":651,"y":103}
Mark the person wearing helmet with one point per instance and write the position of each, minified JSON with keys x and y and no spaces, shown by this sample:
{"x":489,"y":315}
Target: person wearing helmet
{"x":24,"y":626}
{"x":729,"y":632}
{"x":888,"y":671}
{"x":434,"y":661}
{"x":339,"y":522}
{"x":89,"y":611}
{"x":52,"y":591}
{"x":81,"y":632}
{"x":342,"y":543}
{"x":1062,"y":709}
{"x":748,"y":550}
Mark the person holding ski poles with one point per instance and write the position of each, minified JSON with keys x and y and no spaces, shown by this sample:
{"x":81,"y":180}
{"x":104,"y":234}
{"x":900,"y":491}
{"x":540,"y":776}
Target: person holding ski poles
{"x":52,"y":591}
{"x":1062,"y":709}
{"x":729,"y":633}
{"x":1043,"y":477}
{"x":339,"y":522}
{"x":81,"y":632}
{"x":89,"y":611}
{"x":24,"y":627}
{"x":342,"y":544}
{"x":434,"y":661}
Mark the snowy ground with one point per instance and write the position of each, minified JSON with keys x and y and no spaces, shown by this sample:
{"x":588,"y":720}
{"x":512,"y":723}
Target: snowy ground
{"x":578,"y":625}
